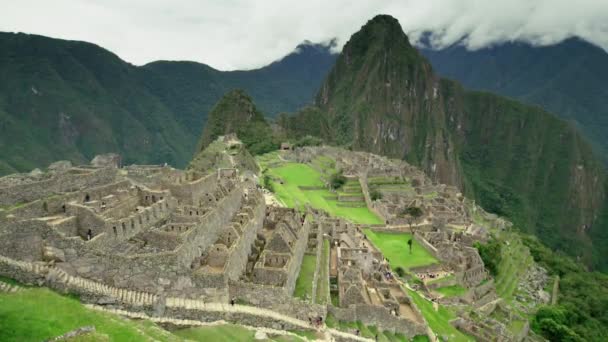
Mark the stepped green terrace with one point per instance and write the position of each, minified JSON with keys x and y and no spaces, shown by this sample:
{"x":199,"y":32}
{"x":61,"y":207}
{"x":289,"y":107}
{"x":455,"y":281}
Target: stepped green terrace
{"x":395,"y":248}
{"x":288,"y":180}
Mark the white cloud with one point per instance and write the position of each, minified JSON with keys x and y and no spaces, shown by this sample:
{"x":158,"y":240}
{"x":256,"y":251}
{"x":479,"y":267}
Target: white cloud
{"x":238,"y":34}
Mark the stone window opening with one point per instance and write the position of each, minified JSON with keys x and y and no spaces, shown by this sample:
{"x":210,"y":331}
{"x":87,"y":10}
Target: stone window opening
{"x":153,"y":199}
{"x":115,"y":232}
{"x":132,"y":224}
{"x":124,"y":228}
{"x":45,"y":207}
{"x":63,"y":208}
{"x":87,"y":198}
{"x":140,"y":221}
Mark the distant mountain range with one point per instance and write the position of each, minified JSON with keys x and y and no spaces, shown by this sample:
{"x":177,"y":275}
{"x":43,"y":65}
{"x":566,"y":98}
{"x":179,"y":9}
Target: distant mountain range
{"x":568,"y":79}
{"x":71,"y":100}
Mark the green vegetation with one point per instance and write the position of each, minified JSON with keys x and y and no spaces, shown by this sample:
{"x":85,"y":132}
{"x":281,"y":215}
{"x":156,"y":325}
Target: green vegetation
{"x":394,"y":247}
{"x":582,"y":310}
{"x":225,"y":332}
{"x":375,"y":195}
{"x":368,"y":331}
{"x":563,"y":78}
{"x":294,"y":175}
{"x":323,"y":281}
{"x":451,"y":291}
{"x":337,"y":180}
{"x":513,"y":261}
{"x":56,"y":93}
{"x":236,"y":113}
{"x":438,"y":320}
{"x":36,"y":314}
{"x":305,"y":278}
{"x":491,"y":254}
{"x":308,"y":140}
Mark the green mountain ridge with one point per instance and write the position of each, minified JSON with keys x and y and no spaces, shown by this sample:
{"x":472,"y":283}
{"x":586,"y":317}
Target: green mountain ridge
{"x":566,"y":78}
{"x":72,"y":100}
{"x":519,"y":161}
{"x":236,"y":113}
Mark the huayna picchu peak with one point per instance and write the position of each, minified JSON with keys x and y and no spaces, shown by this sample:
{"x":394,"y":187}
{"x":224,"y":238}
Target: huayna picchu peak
{"x":313,"y":196}
{"x":516,"y":160}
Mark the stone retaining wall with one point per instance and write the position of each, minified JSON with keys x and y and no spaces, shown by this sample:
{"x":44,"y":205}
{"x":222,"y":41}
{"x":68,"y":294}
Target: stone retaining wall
{"x":378,"y":316}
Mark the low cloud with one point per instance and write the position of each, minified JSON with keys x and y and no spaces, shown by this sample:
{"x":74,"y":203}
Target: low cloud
{"x":245,"y":34}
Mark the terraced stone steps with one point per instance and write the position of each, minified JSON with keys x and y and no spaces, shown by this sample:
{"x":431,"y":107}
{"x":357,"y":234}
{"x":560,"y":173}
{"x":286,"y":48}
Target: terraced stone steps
{"x":9,"y":288}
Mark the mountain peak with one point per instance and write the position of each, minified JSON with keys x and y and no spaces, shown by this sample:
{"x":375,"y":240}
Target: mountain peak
{"x":382,"y":29}
{"x":236,"y":113}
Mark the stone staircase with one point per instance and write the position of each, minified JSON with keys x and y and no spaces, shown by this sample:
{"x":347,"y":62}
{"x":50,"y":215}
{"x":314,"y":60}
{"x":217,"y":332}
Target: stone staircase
{"x":9,"y":288}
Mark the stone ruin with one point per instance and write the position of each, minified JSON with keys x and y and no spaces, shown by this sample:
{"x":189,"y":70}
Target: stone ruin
{"x":155,"y":237}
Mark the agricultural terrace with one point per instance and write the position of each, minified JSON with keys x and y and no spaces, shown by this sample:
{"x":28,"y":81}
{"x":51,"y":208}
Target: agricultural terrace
{"x":438,"y":320}
{"x":395,"y":248}
{"x":296,"y":185}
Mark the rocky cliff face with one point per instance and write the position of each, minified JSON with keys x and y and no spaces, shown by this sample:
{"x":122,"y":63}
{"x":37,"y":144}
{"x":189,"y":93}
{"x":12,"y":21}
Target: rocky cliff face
{"x":382,"y":96}
{"x":516,"y":160}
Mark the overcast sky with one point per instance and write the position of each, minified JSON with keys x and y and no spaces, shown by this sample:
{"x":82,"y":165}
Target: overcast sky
{"x":244,"y":34}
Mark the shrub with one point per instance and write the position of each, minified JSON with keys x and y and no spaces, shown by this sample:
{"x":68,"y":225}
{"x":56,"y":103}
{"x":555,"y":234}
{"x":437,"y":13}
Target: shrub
{"x":490,"y":253}
{"x":400,"y":271}
{"x":337,"y":180}
{"x":375,"y":195}
{"x":308,"y":140}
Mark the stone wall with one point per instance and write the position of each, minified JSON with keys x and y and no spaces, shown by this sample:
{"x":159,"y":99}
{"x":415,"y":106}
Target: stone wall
{"x":136,"y":301}
{"x":240,"y":251}
{"x":69,"y":181}
{"x":378,"y":316}
{"x":192,"y":192}
{"x":275,"y":298}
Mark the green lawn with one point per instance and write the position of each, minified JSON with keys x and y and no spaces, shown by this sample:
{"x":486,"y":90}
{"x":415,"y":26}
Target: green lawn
{"x":37,"y":314}
{"x":451,"y":291}
{"x":305,"y":278}
{"x":323,"y":281}
{"x":438,"y":320}
{"x":294,"y":175}
{"x":395,"y":248}
{"x":225,"y":332}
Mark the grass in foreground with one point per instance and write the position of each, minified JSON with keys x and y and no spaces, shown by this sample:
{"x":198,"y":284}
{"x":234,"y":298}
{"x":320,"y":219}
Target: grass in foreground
{"x":225,"y":332}
{"x":295,"y":175}
{"x":395,"y":248}
{"x":438,"y":320}
{"x":306,"y":277}
{"x":37,"y":314}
